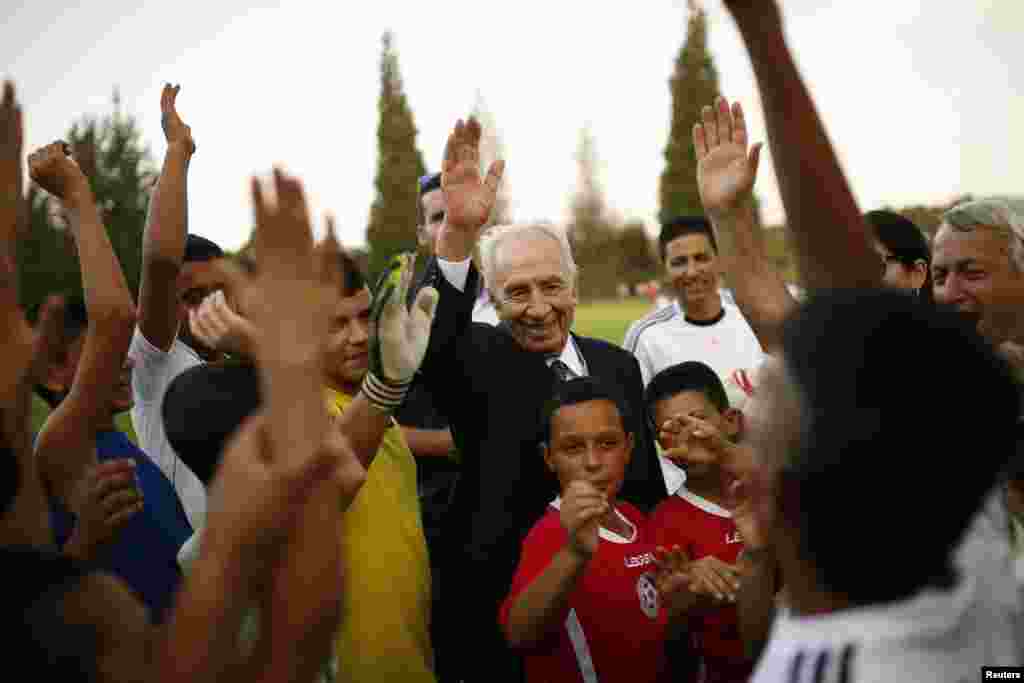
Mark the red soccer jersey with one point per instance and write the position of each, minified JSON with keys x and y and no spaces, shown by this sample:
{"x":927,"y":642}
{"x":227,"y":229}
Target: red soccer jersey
{"x":613,"y":629}
{"x":702,"y":528}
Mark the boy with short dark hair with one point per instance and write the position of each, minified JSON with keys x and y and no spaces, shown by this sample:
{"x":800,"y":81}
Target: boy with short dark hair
{"x":587,"y":574}
{"x":689,"y":408}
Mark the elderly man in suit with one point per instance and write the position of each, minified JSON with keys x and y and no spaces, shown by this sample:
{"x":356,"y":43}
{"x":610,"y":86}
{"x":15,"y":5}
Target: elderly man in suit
{"x":492,"y":383}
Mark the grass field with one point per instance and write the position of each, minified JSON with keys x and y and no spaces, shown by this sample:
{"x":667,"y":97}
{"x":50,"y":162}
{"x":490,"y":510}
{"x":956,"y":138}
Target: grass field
{"x":603,"y":319}
{"x":609,"y":320}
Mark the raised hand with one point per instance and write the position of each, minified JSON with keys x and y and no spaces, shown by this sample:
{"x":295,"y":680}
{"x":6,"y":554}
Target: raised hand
{"x":726,"y":170}
{"x":175,"y":130}
{"x":714,"y":578}
{"x":11,"y":193}
{"x":468,"y":199}
{"x":55,"y":171}
{"x":583,"y":506}
{"x":401,"y":335}
{"x":673,"y":566}
{"x":289,"y":303}
{"x":108,"y":498}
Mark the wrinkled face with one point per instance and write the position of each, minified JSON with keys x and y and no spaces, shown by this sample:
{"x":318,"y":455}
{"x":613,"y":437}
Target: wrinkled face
{"x":533,"y":294}
{"x":588,"y":442}
{"x":692,"y":267}
{"x":972,"y":271}
{"x":898,"y":275}
{"x":433,"y":213}
{"x":196,"y":281}
{"x":692,"y":404}
{"x":61,"y":375}
{"x":348,"y":349}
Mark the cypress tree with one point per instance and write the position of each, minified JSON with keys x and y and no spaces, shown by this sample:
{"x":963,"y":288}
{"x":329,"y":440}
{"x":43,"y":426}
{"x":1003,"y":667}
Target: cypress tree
{"x":392,"y":226}
{"x":694,"y":84}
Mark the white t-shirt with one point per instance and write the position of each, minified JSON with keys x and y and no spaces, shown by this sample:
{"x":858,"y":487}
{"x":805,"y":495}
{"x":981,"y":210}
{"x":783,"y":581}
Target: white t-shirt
{"x":936,"y":636}
{"x":666,"y":338}
{"x":152,"y":374}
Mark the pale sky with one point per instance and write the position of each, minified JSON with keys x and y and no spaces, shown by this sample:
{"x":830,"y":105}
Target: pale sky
{"x":917,"y":96}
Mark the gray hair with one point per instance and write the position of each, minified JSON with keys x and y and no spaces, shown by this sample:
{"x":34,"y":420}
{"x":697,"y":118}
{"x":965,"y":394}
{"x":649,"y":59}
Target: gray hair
{"x":1005,"y":216}
{"x":495,"y":236}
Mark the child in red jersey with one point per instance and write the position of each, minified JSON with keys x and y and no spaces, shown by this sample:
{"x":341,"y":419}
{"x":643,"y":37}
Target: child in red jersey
{"x":584,"y":604}
{"x":689,"y":406}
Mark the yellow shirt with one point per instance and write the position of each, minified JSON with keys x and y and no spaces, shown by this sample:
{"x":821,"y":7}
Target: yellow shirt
{"x":384,"y":633}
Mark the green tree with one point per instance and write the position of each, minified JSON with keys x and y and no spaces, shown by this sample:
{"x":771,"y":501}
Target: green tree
{"x":637,"y":262}
{"x":694,"y":84}
{"x":594,"y":236}
{"x":392,"y":226}
{"x":121,"y":171}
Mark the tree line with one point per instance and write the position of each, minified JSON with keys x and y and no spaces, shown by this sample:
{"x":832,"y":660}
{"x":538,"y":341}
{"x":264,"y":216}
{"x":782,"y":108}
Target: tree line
{"x":609,"y":250}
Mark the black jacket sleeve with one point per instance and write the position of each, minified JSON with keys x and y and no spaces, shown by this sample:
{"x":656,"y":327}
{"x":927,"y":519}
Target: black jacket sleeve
{"x":644,"y":485}
{"x":443,"y":368}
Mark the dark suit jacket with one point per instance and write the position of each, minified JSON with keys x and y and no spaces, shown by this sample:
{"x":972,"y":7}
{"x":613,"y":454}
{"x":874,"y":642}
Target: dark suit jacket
{"x":493,"y":391}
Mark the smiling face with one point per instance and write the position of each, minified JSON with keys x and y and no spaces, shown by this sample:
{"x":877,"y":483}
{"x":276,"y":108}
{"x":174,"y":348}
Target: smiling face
{"x":589,"y":442}
{"x":348,"y":349}
{"x":692,"y":267}
{"x":972,"y":271}
{"x":533,"y":293}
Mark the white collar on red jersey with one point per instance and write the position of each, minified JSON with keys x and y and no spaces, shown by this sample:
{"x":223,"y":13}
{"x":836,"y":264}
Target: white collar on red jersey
{"x":703,"y":503}
{"x":607,"y":535}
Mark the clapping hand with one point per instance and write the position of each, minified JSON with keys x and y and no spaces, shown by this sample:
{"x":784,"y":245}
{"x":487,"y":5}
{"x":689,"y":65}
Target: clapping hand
{"x":726,"y":171}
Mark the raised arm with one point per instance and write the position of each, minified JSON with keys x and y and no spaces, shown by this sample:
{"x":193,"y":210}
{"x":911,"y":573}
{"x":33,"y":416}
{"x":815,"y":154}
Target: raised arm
{"x":726,"y":172}
{"x":832,"y":240}
{"x":469,"y":201}
{"x":66,"y":445}
{"x":163,"y":243}
{"x":276,"y":505}
{"x":16,"y":337}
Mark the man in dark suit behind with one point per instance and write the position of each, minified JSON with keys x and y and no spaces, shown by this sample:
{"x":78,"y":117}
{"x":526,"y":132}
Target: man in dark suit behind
{"x":491,"y":382}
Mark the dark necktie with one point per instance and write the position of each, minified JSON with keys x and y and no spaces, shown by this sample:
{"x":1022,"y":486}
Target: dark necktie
{"x":561,"y":370}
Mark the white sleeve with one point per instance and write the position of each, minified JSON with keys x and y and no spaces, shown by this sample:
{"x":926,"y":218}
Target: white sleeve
{"x":643,"y":358}
{"x":149,"y":363}
{"x":455,"y":272}
{"x":188,"y":553}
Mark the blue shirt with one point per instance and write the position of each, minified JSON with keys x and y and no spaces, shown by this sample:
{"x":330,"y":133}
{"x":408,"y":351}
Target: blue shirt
{"x":144,"y":553}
